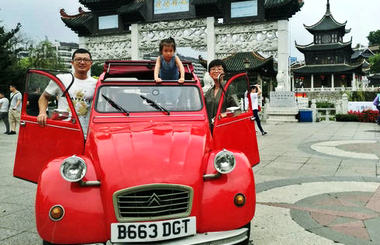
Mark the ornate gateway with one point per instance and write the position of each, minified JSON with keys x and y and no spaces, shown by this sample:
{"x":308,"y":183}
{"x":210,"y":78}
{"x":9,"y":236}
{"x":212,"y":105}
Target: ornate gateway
{"x":129,"y":29}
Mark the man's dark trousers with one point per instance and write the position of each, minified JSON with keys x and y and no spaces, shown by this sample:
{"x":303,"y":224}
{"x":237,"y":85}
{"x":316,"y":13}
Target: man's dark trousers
{"x":4,"y":117}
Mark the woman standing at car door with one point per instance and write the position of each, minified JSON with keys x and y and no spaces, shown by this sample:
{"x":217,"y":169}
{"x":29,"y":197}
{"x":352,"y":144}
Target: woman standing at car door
{"x":254,"y":94}
{"x":216,"y":69}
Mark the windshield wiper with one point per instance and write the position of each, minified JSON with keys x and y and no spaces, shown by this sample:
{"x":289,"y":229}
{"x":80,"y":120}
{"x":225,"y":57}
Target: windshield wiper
{"x":155,"y":105}
{"x":115,"y":105}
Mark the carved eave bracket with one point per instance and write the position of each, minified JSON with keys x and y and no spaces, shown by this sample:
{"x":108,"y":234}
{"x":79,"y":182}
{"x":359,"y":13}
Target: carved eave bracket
{"x":80,"y":23}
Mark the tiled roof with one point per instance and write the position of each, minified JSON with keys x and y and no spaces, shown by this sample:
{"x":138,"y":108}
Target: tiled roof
{"x":235,"y":62}
{"x":374,"y":77}
{"x":80,"y":23}
{"x":323,"y":47}
{"x":200,"y":2}
{"x":277,"y":3}
{"x":268,"y":3}
{"x":365,"y":53}
{"x":327,"y":22}
{"x":135,"y":9}
{"x":131,"y":7}
{"x":330,"y":68}
{"x":277,"y":9}
{"x":102,"y":4}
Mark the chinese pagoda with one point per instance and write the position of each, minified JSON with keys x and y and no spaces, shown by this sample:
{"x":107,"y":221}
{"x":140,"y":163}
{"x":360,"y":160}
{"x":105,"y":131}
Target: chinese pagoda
{"x":328,"y":59}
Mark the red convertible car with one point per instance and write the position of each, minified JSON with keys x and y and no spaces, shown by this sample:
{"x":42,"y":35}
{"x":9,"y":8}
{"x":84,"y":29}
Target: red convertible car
{"x":151,"y":168}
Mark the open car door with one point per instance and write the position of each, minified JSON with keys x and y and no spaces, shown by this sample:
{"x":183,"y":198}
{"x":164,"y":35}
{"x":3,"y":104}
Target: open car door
{"x":62,"y":134}
{"x":234,"y":127}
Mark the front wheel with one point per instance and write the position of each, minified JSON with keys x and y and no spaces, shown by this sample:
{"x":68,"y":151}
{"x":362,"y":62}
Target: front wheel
{"x":47,"y":243}
{"x":246,"y":241}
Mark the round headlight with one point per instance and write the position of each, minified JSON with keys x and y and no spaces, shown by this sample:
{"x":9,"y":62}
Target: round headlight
{"x":73,"y":169}
{"x":224,"y":162}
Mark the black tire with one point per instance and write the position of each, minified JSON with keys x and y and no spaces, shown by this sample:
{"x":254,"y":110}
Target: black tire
{"x":47,"y":243}
{"x":246,"y":241}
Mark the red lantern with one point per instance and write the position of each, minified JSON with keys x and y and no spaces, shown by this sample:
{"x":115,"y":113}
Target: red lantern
{"x":343,"y":76}
{"x":302,"y":78}
{"x":322,"y":77}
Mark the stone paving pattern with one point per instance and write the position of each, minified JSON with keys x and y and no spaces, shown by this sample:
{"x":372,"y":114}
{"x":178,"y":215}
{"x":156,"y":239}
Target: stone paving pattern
{"x":304,"y":196}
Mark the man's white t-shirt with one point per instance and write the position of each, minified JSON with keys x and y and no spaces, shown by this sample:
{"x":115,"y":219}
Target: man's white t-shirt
{"x":16,"y":96}
{"x":4,"y":102}
{"x":81,"y":94}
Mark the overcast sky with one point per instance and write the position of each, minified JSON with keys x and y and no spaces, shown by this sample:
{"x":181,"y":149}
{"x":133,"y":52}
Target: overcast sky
{"x":41,"y":18}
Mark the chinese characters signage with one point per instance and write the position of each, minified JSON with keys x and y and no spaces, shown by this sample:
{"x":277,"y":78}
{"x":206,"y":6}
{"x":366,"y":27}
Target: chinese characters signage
{"x":282,"y":99}
{"x":244,"y":9}
{"x":170,"y":6}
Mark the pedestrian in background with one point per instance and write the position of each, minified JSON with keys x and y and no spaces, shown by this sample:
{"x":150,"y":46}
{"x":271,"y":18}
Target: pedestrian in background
{"x":254,"y":95}
{"x":4,"y":105}
{"x":14,"y":108}
{"x":376,"y":103}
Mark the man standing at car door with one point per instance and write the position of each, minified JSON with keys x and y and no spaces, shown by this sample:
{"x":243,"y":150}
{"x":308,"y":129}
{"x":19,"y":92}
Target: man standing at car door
{"x":14,"y":108}
{"x":81,"y":90}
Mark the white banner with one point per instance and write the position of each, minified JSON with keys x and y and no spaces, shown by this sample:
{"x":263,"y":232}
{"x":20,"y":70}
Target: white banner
{"x":361,"y":106}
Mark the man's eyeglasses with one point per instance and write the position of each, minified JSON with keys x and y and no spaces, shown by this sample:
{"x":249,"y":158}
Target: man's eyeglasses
{"x":79,"y":60}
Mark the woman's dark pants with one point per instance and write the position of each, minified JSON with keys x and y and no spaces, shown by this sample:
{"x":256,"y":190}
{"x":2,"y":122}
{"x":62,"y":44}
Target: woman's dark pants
{"x":257,"y":119}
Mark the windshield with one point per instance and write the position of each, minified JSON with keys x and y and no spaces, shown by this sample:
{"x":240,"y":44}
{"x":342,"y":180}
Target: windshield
{"x":149,"y":98}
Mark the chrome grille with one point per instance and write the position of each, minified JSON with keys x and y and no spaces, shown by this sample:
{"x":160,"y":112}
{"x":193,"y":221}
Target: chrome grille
{"x":150,"y":202}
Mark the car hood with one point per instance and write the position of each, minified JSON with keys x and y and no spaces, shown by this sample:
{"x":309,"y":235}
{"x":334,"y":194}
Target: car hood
{"x":148,"y":153}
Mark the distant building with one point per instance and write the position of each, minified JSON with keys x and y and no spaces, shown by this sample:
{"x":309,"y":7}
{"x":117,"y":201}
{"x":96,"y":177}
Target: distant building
{"x":375,"y":49}
{"x":329,"y":61}
{"x":65,"y":51}
{"x":361,"y":54}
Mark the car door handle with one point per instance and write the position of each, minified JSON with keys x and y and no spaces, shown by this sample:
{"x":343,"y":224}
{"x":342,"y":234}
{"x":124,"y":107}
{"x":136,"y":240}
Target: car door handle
{"x":23,"y":123}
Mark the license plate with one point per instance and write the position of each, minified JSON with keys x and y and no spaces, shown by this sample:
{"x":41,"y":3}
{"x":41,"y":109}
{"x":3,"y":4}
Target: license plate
{"x":153,"y":231}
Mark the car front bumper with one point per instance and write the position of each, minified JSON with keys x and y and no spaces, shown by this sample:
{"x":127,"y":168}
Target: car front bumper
{"x":220,"y":238}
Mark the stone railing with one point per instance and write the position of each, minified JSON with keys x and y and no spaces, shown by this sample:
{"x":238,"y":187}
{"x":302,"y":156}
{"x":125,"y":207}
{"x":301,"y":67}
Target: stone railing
{"x":326,"y":115}
{"x":323,"y":89}
{"x":328,"y":89}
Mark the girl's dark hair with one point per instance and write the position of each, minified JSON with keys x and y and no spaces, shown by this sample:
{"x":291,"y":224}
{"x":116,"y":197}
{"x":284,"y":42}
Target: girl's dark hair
{"x":253,"y":87}
{"x":167,"y":42}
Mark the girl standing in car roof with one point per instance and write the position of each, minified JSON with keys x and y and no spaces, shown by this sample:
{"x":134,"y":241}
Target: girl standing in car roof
{"x":168,"y":65}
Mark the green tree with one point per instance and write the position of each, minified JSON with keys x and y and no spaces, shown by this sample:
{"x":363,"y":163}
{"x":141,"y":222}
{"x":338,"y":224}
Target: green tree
{"x":43,"y":56}
{"x":375,"y":63}
{"x":9,"y":70}
{"x":374,"y":37}
{"x":97,"y":69}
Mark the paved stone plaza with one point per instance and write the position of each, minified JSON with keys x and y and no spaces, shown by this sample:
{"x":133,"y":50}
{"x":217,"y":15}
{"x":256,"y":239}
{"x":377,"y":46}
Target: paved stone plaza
{"x":317,"y":183}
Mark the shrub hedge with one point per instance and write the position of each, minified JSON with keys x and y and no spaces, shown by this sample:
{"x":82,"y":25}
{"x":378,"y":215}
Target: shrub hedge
{"x":354,"y":116}
{"x":346,"y":118}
